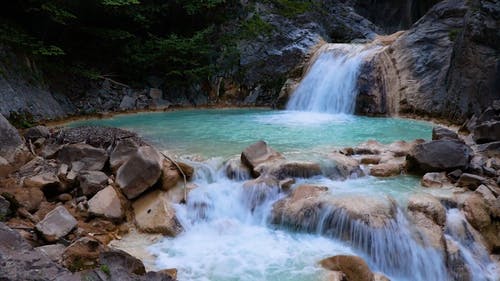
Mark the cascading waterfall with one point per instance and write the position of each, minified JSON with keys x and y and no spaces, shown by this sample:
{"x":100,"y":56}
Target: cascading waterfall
{"x":330,"y":85}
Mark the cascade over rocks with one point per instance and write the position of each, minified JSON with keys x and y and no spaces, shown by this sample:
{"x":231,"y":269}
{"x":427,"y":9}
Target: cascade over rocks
{"x":354,"y":267}
{"x":258,"y":153}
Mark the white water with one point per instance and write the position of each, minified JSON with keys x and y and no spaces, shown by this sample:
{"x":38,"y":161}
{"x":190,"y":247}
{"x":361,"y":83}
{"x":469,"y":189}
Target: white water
{"x":225,"y":240}
{"x":330,"y":84}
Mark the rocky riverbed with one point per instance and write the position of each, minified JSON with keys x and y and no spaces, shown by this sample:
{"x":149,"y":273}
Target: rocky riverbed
{"x":66,"y":193}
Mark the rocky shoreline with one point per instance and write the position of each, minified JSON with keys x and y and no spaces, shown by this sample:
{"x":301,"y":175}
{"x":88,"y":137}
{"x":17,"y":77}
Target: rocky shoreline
{"x":66,"y":193}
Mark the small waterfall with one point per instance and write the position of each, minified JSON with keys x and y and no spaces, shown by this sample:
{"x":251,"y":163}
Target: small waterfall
{"x":330,"y":85}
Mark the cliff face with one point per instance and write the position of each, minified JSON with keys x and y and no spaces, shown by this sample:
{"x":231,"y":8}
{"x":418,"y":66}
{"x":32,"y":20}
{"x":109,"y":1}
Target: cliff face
{"x":445,"y":66}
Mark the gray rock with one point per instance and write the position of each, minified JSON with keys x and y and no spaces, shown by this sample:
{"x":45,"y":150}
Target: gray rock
{"x":127,"y":103}
{"x":56,"y":224}
{"x":53,"y":251}
{"x":21,"y":262}
{"x":37,"y":132}
{"x":106,"y":203}
{"x":439,"y":155}
{"x":122,"y":152}
{"x":11,"y":143}
{"x":92,"y":181}
{"x":487,"y":132}
{"x":441,"y":133}
{"x":93,"y":158}
{"x":139,"y":172}
{"x":4,"y":208}
{"x":470,"y":181}
{"x":119,"y":261}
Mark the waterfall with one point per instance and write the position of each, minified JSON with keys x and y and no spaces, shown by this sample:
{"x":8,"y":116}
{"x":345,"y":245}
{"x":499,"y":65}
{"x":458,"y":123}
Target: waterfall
{"x":330,"y":85}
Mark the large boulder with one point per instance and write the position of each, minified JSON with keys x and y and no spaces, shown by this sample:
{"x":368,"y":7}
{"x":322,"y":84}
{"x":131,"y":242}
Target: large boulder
{"x":19,"y":261}
{"x":289,"y":169}
{"x":106,"y":203}
{"x":56,"y":224}
{"x":476,"y":211}
{"x":487,"y":132}
{"x":438,"y":156}
{"x":429,"y":206}
{"x":122,"y":152}
{"x":442,"y":133}
{"x":428,"y":215}
{"x":257,"y":154}
{"x":141,"y":171}
{"x":354,"y":267}
{"x":93,"y":158}
{"x":154,"y":214}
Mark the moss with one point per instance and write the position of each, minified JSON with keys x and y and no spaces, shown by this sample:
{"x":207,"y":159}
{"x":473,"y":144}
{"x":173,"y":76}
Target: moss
{"x":22,"y":120}
{"x":105,"y":269}
{"x":453,"y":34}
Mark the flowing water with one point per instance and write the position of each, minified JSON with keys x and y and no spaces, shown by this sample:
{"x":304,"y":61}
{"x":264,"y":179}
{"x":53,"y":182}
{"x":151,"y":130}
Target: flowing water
{"x":229,"y":237}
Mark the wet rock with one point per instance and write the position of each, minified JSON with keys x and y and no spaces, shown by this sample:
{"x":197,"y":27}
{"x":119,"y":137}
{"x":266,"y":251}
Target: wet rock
{"x":286,"y":184}
{"x":123,"y":150}
{"x":429,"y":206}
{"x":82,"y":254}
{"x":106,"y":203}
{"x":386,"y":170}
{"x":176,"y":194}
{"x":438,"y":156}
{"x":435,"y":180}
{"x":169,"y":176}
{"x":476,"y":211}
{"x":34,"y":133}
{"x":345,"y":167}
{"x":236,"y":170}
{"x":441,"y":133}
{"x":369,"y":147}
{"x":470,"y":181}
{"x":455,"y":262}
{"x":19,"y":261}
{"x":56,"y":224}
{"x":139,"y":172}
{"x":259,"y":190}
{"x":487,"y":132}
{"x":259,"y":153}
{"x":92,"y":182}
{"x":93,"y":158}
{"x":369,"y":159}
{"x":354,"y":267}
{"x":286,"y":169}
{"x":53,"y":251}
{"x":154,"y":214}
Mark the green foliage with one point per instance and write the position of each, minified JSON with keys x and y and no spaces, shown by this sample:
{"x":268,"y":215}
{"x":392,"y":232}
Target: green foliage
{"x":105,"y":268}
{"x":56,"y":13}
{"x":254,"y":27}
{"x":291,"y":8}
{"x":21,"y":120}
{"x":120,"y":2}
{"x":196,"y":6}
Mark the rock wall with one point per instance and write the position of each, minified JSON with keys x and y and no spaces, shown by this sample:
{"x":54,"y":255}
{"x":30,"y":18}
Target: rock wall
{"x":445,"y":66}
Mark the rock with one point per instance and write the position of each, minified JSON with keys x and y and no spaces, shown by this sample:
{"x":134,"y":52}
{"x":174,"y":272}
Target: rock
{"x":62,"y":172}
{"x":257,"y":154}
{"x":53,"y":251}
{"x":12,"y":147}
{"x":380,"y":277}
{"x":487,"y":132}
{"x":123,"y":150}
{"x":127,"y":103}
{"x":476,"y":211}
{"x":486,"y":193}
{"x":106,"y":203}
{"x":37,"y":132}
{"x":49,"y":151}
{"x":285,"y":169}
{"x":43,"y":180}
{"x":29,"y":198}
{"x":236,"y":170}
{"x":441,"y":133}
{"x":5,"y":167}
{"x":369,"y":159}
{"x":345,"y":167}
{"x":64,"y":197}
{"x":429,"y":206}
{"x":118,"y":261}
{"x":82,"y":254}
{"x":93,"y":158}
{"x":438,"y":156}
{"x":286,"y":184}
{"x":169,"y":176}
{"x":92,"y":181}
{"x":435,"y":180}
{"x":186,"y":169}
{"x":354,"y":267}
{"x":139,"y":172}
{"x":154,"y":214}
{"x":491,"y":149}
{"x":4,"y":208}
{"x":455,"y":175}
{"x":369,"y":147}
{"x":176,"y":194}
{"x":101,"y":137}
{"x":260,"y":190}
{"x":21,"y":262}
{"x":470,"y":181}
{"x":456,"y":263}
{"x":56,"y":224}
{"x":386,"y":170}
